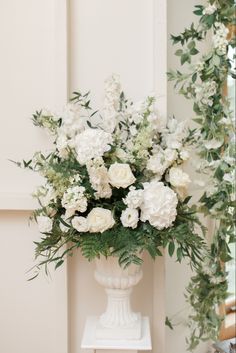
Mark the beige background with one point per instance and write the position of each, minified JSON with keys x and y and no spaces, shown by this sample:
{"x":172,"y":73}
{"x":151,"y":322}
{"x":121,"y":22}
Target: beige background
{"x":104,"y":36}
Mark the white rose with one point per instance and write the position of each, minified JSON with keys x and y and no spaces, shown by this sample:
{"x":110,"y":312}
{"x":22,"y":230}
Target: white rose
{"x":178,"y":178}
{"x":120,"y":175}
{"x":159,"y":205}
{"x":80,"y":224}
{"x":99,"y":220}
{"x":129,"y":218}
{"x":44,"y":224}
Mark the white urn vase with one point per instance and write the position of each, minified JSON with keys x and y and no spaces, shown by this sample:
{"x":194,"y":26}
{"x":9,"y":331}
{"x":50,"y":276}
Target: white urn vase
{"x":118,"y":321}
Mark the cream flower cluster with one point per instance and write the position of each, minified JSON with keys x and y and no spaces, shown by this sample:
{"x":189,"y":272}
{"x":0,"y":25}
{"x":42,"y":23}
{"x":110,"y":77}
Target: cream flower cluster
{"x":121,"y":169}
{"x":220,"y":41}
{"x":74,"y":200}
{"x":205,"y":92}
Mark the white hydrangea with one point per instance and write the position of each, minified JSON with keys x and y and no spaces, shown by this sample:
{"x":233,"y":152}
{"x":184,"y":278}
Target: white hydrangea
{"x":92,"y":143}
{"x":80,"y":224}
{"x":210,"y":9}
{"x":205,"y":91}
{"x":159,"y":205}
{"x":98,"y":176}
{"x":134,"y":198}
{"x":220,"y":41}
{"x":44,"y":223}
{"x":74,"y":200}
{"x":129,"y":218}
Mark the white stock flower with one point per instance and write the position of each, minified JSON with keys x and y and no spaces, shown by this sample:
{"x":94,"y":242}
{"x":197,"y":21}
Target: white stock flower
{"x":92,"y":143}
{"x":134,"y":198}
{"x":120,"y":175}
{"x":210,"y":9}
{"x":178,"y":178}
{"x":100,"y":220}
{"x":98,"y":176}
{"x":129,"y":218}
{"x":74,"y":200}
{"x":159,"y":205}
{"x":157,"y":122}
{"x":45,"y":224}
{"x":80,"y":224}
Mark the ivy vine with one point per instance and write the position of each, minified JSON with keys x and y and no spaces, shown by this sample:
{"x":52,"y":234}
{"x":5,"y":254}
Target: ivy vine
{"x":203,"y":81}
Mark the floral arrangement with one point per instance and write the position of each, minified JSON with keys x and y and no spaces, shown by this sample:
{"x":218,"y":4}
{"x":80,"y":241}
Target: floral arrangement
{"x":204,"y":83}
{"x":115,"y":183}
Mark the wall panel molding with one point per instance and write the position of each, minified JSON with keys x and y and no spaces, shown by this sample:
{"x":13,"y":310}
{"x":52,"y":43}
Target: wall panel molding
{"x":34,"y":76}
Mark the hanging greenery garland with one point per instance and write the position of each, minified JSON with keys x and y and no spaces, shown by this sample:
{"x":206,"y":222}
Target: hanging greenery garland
{"x":204,"y":83}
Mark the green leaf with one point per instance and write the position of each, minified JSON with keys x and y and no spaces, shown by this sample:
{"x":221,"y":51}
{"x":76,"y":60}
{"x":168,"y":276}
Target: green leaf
{"x":171,"y":248}
{"x":194,"y":77}
{"x":179,"y":254}
{"x":179,"y":52}
{"x":194,"y":51}
{"x":168,"y":323}
{"x":185,"y":58}
{"x":59,"y":263}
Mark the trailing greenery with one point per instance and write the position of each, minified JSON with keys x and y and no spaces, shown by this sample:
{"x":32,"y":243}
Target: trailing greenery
{"x":203,"y":81}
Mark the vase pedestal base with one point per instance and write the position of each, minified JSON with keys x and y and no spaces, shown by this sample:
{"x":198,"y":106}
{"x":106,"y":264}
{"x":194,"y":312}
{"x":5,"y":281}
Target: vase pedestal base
{"x":90,"y":340}
{"x":118,"y":333}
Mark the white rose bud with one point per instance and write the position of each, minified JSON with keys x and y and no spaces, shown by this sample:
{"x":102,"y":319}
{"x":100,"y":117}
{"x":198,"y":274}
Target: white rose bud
{"x":99,"y":220}
{"x":178,"y":178}
{"x":44,"y":224}
{"x":129,"y":218}
{"x":80,"y":224}
{"x":120,"y":175}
